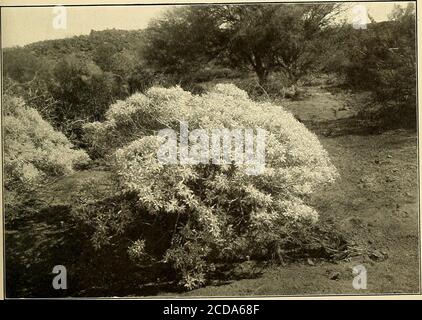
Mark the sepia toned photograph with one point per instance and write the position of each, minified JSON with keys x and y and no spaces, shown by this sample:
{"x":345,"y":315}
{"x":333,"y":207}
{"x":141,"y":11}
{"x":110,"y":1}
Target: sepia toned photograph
{"x":210,"y":150}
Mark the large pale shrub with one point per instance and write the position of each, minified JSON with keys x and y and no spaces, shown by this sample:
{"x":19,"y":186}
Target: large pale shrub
{"x":190,"y":216}
{"x":33,"y":153}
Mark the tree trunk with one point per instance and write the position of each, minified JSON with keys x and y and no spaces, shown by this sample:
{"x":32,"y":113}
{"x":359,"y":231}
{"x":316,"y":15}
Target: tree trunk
{"x":262,"y":76}
{"x":260,"y":70}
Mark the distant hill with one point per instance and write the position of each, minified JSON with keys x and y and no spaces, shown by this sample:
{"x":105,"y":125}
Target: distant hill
{"x":74,"y":79}
{"x":84,"y":45}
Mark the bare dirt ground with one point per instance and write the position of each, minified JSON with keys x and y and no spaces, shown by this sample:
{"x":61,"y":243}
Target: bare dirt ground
{"x":375,"y":203}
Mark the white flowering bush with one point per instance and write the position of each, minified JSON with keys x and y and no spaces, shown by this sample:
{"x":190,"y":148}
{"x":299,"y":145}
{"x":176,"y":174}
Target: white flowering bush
{"x":33,"y":152}
{"x":190,"y":216}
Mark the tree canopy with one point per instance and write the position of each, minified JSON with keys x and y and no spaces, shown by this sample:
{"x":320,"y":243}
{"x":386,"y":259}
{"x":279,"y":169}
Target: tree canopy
{"x":263,"y":38}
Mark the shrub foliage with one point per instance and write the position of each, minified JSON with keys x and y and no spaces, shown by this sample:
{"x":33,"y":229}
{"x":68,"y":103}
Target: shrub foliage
{"x":382,"y":60}
{"x":189,"y":216}
{"x":33,"y":153}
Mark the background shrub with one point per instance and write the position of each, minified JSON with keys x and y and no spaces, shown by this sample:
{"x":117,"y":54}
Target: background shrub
{"x":382,"y":60}
{"x":33,"y":153}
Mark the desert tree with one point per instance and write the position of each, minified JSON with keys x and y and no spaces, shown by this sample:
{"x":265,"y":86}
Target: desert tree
{"x":262,"y":38}
{"x":382,"y":60}
{"x":183,"y":39}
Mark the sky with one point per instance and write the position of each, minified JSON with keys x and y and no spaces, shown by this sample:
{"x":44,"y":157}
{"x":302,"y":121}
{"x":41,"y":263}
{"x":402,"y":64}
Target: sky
{"x":23,"y":25}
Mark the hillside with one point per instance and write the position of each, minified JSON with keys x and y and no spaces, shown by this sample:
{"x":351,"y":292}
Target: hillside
{"x":84,"y":45}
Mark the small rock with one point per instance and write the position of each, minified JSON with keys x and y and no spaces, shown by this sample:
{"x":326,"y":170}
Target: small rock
{"x":310,"y":262}
{"x":385,"y":254}
{"x":377,"y":255}
{"x":389,"y":157}
{"x":334,"y":275}
{"x":389,"y":179}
